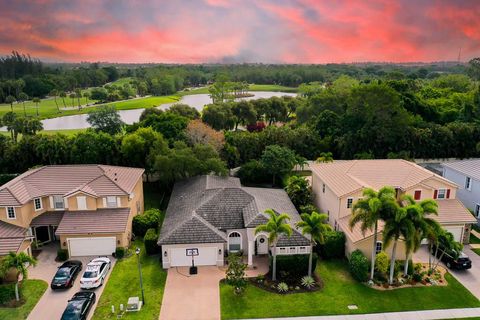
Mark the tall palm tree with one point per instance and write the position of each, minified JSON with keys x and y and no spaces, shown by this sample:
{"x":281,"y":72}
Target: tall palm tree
{"x":86,"y":95}
{"x":36,"y":101}
{"x":54,"y":94}
{"x":368,"y":211}
{"x":72,"y":96}
{"x":315,"y":226}
{"x":398,"y":225}
{"x":433,"y":234}
{"x":325,"y":157}
{"x":23,"y":97}
{"x":78,"y":94}
{"x":10,"y":100}
{"x":18,"y":262}
{"x":276,"y":227}
{"x":63,"y":95}
{"x":446,"y":243}
{"x":419,"y":213}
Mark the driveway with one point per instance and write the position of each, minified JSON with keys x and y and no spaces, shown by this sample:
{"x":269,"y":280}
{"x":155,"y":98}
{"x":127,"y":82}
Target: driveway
{"x":197,"y":297}
{"x":53,"y":303}
{"x":469,"y":278}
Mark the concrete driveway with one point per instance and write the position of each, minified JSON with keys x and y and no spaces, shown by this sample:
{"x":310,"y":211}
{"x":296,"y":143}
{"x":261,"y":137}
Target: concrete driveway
{"x":469,"y":278}
{"x":197,"y":297}
{"x":53,"y":303}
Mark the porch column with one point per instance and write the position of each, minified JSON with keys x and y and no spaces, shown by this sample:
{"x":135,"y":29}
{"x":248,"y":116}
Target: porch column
{"x":251,"y":249}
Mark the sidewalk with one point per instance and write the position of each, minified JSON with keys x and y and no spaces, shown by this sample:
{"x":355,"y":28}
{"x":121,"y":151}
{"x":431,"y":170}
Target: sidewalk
{"x":408,"y":315}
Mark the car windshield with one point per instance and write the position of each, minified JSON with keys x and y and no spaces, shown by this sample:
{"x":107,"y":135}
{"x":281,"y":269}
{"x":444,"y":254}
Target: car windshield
{"x":90,"y":274}
{"x":62,"y":273}
{"x":74,"y":308}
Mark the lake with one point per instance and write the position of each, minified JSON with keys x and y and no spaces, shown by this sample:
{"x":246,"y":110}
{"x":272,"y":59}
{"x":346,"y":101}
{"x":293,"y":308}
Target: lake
{"x":198,"y":101}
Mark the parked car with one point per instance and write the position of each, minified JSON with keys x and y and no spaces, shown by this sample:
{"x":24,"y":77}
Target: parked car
{"x":79,"y":306}
{"x":454,"y":260}
{"x":66,"y":274}
{"x":95,"y":273}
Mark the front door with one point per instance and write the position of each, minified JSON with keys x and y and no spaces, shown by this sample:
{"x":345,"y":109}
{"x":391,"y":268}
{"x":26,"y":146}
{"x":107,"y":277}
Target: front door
{"x":262,"y":245}
{"x":42,"y":234}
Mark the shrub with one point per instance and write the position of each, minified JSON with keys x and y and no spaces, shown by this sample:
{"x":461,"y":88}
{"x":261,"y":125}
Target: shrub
{"x":293,"y":266}
{"x":334,"y":246}
{"x":358,"y":266}
{"x":382,"y":263}
{"x":62,"y":254}
{"x":7,"y":293}
{"x":235,"y":274}
{"x":308,"y":282}
{"x":148,"y":220}
{"x":417,"y":277}
{"x":119,"y":253}
{"x":282,"y":287}
{"x":253,"y":172}
{"x":150,"y":240}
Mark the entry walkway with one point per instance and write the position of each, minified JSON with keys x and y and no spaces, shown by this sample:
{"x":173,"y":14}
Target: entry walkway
{"x":408,"y":315}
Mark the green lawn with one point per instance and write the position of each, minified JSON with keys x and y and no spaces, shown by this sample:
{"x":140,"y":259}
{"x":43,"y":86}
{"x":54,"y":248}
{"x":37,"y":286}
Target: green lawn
{"x":68,"y":132}
{"x":32,"y":290}
{"x":340,"y":291}
{"x":477,"y":251}
{"x":474,"y":239}
{"x":124,"y":283}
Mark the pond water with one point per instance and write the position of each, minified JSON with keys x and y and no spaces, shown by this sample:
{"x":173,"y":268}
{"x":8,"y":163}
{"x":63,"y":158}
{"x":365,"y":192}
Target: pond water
{"x":198,"y":101}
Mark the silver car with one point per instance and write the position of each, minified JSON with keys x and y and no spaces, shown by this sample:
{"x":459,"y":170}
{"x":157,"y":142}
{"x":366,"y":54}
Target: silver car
{"x":95,"y":273}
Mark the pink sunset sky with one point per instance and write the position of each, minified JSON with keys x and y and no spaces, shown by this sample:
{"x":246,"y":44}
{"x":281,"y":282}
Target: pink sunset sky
{"x":236,"y":31}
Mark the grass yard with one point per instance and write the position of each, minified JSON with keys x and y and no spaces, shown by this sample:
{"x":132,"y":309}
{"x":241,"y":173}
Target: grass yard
{"x":32,"y":290}
{"x":340,"y":291}
{"x":474,"y":239}
{"x":124,"y":283}
{"x":477,"y":251}
{"x":69,"y":132}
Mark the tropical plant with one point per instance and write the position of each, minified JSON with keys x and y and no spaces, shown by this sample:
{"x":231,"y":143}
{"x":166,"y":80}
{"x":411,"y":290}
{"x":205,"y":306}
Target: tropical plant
{"x":276,"y":227}
{"x":325,"y":157}
{"x":308,"y":282}
{"x":299,"y":191}
{"x":19,"y":263}
{"x":235,"y":274}
{"x":36,"y":101}
{"x":23,"y":97}
{"x":398,"y":225}
{"x":315,"y":226}
{"x":78,"y":95}
{"x":10,"y":100}
{"x":282,"y":287}
{"x":54,"y":94}
{"x":86,"y":95}
{"x":381,"y":263}
{"x":369,"y":210}
{"x":63,"y":95}
{"x":72,"y":96}
{"x":446,"y":245}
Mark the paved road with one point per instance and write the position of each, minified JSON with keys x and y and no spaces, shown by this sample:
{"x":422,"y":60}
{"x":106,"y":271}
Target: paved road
{"x":53,"y":303}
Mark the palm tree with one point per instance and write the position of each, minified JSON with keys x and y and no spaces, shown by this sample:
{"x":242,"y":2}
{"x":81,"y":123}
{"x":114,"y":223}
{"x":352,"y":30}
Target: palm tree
{"x":419,"y":213}
{"x":275,"y":227}
{"x":10,"y":100}
{"x":325,"y":157}
{"x":54,"y":94}
{"x":72,"y":96}
{"x":78,"y":94}
{"x":433,"y":233}
{"x":368,"y":211}
{"x":23,"y":97}
{"x":19,"y":263}
{"x":398,"y":225}
{"x":314,"y":225}
{"x":36,"y":101}
{"x":63,"y":95}
{"x":8,"y":120}
{"x":447,"y":243}
{"x":86,"y":95}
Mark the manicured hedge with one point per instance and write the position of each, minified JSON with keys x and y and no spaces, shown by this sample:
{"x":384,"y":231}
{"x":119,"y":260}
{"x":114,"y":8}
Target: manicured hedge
{"x":62,"y":254}
{"x":293,"y":266}
{"x":334,"y":246}
{"x":150,"y":240}
{"x":358,"y":266}
{"x":148,"y":220}
{"x":119,"y":253}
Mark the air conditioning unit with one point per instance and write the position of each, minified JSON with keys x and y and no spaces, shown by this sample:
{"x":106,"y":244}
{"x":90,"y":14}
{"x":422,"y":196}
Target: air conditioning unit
{"x":134,"y":304}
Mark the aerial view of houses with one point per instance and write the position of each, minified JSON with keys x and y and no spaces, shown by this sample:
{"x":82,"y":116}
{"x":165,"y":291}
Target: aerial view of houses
{"x":212,"y":159}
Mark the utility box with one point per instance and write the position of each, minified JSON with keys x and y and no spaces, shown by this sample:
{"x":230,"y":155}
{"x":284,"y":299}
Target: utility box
{"x":134,"y":304}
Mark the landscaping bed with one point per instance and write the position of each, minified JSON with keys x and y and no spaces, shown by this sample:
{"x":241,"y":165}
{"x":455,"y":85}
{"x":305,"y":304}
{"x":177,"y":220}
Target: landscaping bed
{"x":436,"y":278}
{"x":294,"y":286}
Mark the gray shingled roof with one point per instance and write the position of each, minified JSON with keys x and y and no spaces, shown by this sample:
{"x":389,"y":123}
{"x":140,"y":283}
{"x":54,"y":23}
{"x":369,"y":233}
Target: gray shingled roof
{"x":469,"y":167}
{"x":201,"y":209}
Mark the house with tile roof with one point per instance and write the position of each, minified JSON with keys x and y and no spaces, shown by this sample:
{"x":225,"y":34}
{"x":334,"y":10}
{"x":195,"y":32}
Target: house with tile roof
{"x":211,"y":216}
{"x":339,"y":184}
{"x":87,"y":208}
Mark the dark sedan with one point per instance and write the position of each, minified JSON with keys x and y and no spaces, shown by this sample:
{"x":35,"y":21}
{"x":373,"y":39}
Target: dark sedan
{"x":79,"y":306}
{"x":66,"y":274}
{"x":454,"y":260}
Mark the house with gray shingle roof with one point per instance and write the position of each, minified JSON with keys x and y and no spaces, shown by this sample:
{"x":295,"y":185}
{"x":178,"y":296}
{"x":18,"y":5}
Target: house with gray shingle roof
{"x":211,"y":216}
{"x":466,"y":174}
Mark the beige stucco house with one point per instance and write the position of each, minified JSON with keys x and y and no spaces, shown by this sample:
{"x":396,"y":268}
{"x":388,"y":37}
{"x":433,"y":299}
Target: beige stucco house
{"x":338,"y":185}
{"x":87,"y":208}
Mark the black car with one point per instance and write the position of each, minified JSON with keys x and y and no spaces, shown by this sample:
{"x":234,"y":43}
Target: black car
{"x":66,"y":274}
{"x":79,"y":306}
{"x":454,"y":260}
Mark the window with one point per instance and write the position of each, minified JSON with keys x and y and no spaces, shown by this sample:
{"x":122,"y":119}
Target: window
{"x":442,"y":194}
{"x":234,"y":241}
{"x":323,"y":188}
{"x":11,"y":213}
{"x":302,"y":250}
{"x":37,"y":202}
{"x":282,"y":250}
{"x":293,"y":250}
{"x":111,"y":202}
{"x":477,"y":210}
{"x":58,"y":203}
{"x":378,"y":247}
{"x":349,"y":203}
{"x":82,"y":203}
{"x":468,"y":183}
{"x":417,"y":195}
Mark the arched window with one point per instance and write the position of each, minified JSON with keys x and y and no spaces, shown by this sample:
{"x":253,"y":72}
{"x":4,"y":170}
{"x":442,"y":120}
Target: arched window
{"x":234,"y":241}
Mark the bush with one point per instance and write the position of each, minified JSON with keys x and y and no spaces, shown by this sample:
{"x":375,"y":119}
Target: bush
{"x":293,"y":266}
{"x":334,"y":246}
{"x":253,"y":172}
{"x":62,"y":254}
{"x":358,"y":266}
{"x":382,"y":263}
{"x":150,"y":240}
{"x":7,"y":293}
{"x":150,"y":219}
{"x":282,"y":287}
{"x":119,"y":253}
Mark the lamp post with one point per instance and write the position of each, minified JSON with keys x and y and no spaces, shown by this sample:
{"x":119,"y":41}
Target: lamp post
{"x":137,"y":251}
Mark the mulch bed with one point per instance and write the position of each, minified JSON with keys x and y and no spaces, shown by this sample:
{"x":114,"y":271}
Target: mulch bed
{"x":294,"y":286}
{"x":438,"y":281}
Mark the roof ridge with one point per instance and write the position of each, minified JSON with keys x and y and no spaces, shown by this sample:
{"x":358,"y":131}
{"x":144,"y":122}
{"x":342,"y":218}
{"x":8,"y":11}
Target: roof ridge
{"x":114,"y":182}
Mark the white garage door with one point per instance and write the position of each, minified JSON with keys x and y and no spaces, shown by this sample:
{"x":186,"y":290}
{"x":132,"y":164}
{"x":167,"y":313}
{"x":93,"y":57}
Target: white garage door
{"x":456,"y":231}
{"x":100,"y":246}
{"x":207,"y":256}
